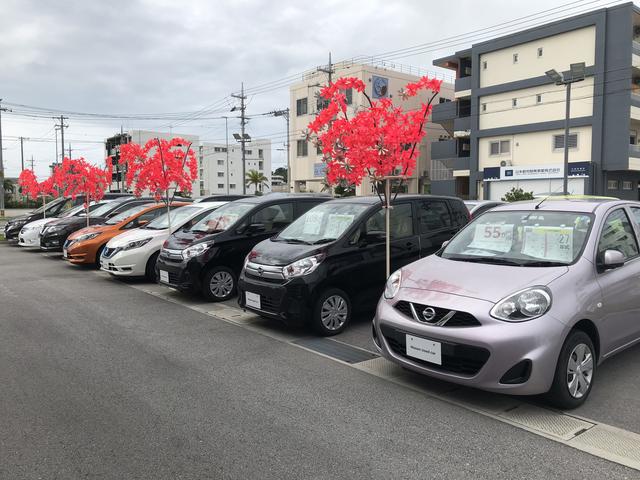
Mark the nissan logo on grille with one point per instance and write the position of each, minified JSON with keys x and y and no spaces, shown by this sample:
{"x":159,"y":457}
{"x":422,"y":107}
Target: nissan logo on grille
{"x":428,"y":314}
{"x":260,"y":271}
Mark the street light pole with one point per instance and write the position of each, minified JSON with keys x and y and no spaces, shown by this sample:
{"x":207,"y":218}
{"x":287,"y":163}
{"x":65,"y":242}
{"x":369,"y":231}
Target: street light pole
{"x":1,"y":162}
{"x":576,"y":74}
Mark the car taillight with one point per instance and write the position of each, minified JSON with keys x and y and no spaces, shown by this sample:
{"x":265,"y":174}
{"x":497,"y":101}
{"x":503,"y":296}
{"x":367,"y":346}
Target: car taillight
{"x":165,"y":244}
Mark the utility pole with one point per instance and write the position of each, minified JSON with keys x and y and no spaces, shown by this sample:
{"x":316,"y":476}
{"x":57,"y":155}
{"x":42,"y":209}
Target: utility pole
{"x":32,"y":162}
{"x":226,"y":136}
{"x":328,"y":70}
{"x":285,"y":113}
{"x":62,"y":126}
{"x":69,"y":150}
{"x":243,"y":140}
{"x":2,"y":109}
{"x":22,"y":139}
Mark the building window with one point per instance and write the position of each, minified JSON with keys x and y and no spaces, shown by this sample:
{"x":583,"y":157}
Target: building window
{"x":349,"y":94}
{"x":318,"y":150}
{"x":627,"y":185}
{"x":221,"y":185}
{"x":232,"y":185}
{"x":539,"y":52}
{"x":558,"y":141}
{"x":260,"y":165}
{"x":248,"y":152}
{"x":301,"y":106}
{"x":220,"y":174}
{"x":220,"y":162}
{"x":484,"y":107}
{"x":201,"y":173}
{"x":538,"y":98}
{"x":514,"y":102}
{"x":302,"y":148}
{"x":201,"y":185}
{"x":499,"y":147}
{"x":612,"y":184}
{"x":444,"y":100}
{"x":484,"y":65}
{"x":515,"y":58}
{"x":260,"y":153}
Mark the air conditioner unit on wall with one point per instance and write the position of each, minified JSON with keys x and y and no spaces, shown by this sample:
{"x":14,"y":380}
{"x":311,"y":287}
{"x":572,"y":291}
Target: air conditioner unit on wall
{"x":505,"y":163}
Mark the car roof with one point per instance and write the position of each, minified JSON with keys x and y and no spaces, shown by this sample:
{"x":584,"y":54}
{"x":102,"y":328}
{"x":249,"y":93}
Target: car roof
{"x":374,"y":199}
{"x":568,"y":203}
{"x":208,"y":204}
{"x":257,"y":199}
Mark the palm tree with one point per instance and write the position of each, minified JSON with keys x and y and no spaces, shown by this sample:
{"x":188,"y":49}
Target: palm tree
{"x":256,"y":178}
{"x":9,"y":185}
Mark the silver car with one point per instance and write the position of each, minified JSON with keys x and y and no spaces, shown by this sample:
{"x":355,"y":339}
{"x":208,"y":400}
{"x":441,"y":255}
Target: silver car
{"x":527,"y":299}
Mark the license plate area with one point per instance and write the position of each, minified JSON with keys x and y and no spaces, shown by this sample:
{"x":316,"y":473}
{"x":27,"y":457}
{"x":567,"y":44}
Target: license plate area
{"x":424,"y":349}
{"x":164,"y":276}
{"x":252,"y":300}
{"x":64,"y":253}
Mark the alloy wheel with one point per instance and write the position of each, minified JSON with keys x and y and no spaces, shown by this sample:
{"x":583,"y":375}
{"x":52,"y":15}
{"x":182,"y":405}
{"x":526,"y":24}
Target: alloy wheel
{"x":221,"y":284}
{"x":579,"y":370}
{"x":334,"y":312}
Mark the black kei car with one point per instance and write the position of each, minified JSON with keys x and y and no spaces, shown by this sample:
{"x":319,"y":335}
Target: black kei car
{"x":55,"y":233}
{"x":54,"y":208}
{"x":332,"y":261}
{"x":208,"y":256}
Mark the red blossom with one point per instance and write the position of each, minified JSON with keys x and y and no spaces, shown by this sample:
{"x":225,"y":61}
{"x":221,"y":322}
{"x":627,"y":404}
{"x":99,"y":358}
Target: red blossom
{"x":32,"y":188}
{"x":377,"y":141}
{"x":78,"y":177}
{"x":160,"y":166}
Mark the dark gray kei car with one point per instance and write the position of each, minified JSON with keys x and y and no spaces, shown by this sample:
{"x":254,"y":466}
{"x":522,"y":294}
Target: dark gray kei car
{"x":331,"y":261}
{"x":207,"y":257}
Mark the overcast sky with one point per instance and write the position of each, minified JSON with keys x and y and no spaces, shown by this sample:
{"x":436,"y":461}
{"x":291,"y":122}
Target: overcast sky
{"x":157,"y":56}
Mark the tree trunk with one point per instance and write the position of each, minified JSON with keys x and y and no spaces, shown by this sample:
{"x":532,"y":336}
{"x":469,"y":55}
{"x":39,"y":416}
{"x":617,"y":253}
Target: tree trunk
{"x":387,"y":201}
{"x":44,"y":206}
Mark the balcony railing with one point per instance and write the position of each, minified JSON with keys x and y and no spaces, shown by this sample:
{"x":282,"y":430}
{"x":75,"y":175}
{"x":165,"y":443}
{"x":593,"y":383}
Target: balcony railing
{"x":636,"y":47}
{"x":634,"y":151}
{"x":463,"y":83}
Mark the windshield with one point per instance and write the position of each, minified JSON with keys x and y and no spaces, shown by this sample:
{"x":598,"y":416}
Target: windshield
{"x":103,"y":209}
{"x":222,"y":218}
{"x":178,"y":216}
{"x":522,"y":238}
{"x":323,"y":223}
{"x":126,"y":214}
{"x":49,"y":205}
{"x":73,"y":211}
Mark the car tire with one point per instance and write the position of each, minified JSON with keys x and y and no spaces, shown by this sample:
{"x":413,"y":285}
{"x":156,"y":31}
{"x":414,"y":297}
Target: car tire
{"x":575,"y":372}
{"x":98,"y":255}
{"x":150,"y":268}
{"x":332,"y":312}
{"x":219,"y":284}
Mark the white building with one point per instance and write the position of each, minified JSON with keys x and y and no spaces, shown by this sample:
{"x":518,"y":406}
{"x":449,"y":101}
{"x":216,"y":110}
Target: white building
{"x":307,"y":168}
{"x":220,"y":169}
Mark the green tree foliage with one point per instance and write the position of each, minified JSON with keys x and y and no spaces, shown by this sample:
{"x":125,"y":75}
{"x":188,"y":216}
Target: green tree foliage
{"x":517,"y":194}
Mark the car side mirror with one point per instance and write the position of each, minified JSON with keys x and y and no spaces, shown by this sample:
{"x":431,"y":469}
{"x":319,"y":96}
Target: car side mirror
{"x":142,"y":222}
{"x":445,"y":243}
{"x":612,"y":259}
{"x":255,"y":228}
{"x":373,"y":238}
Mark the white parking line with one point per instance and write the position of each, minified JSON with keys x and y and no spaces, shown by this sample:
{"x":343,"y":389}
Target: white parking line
{"x":598,"y":439}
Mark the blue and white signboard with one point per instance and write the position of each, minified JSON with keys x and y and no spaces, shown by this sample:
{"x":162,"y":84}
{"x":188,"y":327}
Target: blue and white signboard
{"x":318,"y":169}
{"x":535,"y":172}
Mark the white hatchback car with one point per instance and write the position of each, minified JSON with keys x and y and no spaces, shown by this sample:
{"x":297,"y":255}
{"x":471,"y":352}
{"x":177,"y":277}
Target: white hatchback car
{"x":134,"y":253}
{"x":29,"y":235}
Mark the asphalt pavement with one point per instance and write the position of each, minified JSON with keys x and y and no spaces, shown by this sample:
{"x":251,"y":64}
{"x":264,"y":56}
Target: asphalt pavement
{"x":101,"y":380}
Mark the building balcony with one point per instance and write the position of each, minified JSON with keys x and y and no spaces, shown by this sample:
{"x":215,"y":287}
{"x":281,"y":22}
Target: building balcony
{"x":462,"y":124}
{"x":635,"y":46}
{"x":463,"y":84}
{"x":452,"y":114}
{"x":634,"y":151}
{"x":444,"y":112}
{"x":450,"y":149}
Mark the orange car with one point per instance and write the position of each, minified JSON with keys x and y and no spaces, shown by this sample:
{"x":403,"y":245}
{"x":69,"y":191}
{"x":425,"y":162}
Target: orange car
{"x":85,"y":246}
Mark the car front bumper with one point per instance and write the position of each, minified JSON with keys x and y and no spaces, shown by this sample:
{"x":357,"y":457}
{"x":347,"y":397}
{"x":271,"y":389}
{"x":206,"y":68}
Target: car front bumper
{"x":52,"y":241}
{"x":30,"y":238}
{"x":476,"y":356}
{"x":289,"y":301}
{"x":130,"y":263}
{"x":179,"y":271}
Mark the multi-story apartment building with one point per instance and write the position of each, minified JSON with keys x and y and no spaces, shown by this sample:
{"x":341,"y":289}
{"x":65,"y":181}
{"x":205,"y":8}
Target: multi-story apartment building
{"x":220,"y":167}
{"x":307,"y":168}
{"x":507,"y":120}
{"x":219,"y":170}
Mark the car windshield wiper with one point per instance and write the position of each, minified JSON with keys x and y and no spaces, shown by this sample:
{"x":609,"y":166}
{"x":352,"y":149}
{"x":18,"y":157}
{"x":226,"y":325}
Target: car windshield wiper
{"x":292,"y":240}
{"x":323,"y":240}
{"x":543,"y":263}
{"x":492,"y":260}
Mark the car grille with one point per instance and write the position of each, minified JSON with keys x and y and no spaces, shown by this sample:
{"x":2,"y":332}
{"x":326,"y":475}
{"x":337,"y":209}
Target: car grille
{"x":264,"y":273}
{"x":456,"y":358}
{"x":67,"y":243}
{"x":171,"y":255}
{"x":455,"y":318}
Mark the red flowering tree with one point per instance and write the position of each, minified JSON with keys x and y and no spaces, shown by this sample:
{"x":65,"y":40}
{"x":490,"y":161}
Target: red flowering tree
{"x":163,"y":167}
{"x":78,"y":177}
{"x":32,"y":188}
{"x":380,"y":142}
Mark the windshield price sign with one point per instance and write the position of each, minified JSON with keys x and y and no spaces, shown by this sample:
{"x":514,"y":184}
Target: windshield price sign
{"x":549,"y":243}
{"x":337,"y":224}
{"x":495,"y":237}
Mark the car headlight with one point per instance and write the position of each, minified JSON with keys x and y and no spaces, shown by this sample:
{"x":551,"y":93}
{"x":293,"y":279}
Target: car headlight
{"x":302,"y":267}
{"x":196,"y":250}
{"x":86,"y":236}
{"x":136,"y":244}
{"x":393,"y":284}
{"x":524,"y":305}
{"x":19,"y":223}
{"x":52,"y":228}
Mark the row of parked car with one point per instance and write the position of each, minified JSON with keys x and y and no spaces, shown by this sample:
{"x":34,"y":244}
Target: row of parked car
{"x":526,"y":299}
